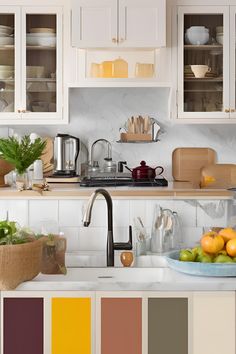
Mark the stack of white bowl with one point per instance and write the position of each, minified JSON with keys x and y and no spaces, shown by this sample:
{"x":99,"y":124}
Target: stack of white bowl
{"x":45,"y":37}
{"x":220,"y":34}
{"x":197,"y":35}
{"x":6,"y":37}
{"x":6,"y":72}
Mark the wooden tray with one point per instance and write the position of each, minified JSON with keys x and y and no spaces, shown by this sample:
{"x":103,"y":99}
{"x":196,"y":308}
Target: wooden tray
{"x":188,"y":162}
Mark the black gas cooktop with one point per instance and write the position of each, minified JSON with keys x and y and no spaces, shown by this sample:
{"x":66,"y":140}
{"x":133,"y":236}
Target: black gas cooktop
{"x":122,"y":181}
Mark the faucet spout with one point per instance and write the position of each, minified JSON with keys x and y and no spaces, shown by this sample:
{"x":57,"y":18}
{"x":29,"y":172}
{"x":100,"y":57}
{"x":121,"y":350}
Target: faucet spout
{"x":111,"y":246}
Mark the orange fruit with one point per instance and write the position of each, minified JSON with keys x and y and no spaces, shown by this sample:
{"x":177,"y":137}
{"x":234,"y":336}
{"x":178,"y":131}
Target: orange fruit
{"x":231,"y":247}
{"x":228,"y":233}
{"x":211,"y":242}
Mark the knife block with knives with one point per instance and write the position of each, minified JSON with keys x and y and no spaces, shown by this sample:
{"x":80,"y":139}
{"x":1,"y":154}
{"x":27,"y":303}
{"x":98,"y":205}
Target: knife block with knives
{"x":138,"y":129}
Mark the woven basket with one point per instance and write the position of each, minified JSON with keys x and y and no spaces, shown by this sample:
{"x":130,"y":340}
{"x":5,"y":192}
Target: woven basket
{"x":19,"y":263}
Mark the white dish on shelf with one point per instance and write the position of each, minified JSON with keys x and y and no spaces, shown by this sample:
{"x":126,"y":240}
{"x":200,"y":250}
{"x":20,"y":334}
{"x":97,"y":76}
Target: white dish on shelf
{"x":219,"y":29}
{"x":41,"y":35}
{"x":197,"y":29}
{"x":197,"y":38}
{"x":6,"y":75}
{"x":6,"y":40}
{"x":41,"y":41}
{"x":35,"y":72}
{"x":51,"y":86}
{"x":220,"y":39}
{"x":42,"y":30}
{"x":6,"y":67}
{"x":6,"y":29}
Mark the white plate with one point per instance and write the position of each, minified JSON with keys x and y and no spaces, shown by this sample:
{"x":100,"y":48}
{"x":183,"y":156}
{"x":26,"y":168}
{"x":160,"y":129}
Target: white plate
{"x":6,"y":40}
{"x":41,"y":41}
{"x":40,"y":35}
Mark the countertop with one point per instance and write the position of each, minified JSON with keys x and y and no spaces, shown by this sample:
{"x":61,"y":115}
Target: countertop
{"x":175,"y":190}
{"x":127,"y":279}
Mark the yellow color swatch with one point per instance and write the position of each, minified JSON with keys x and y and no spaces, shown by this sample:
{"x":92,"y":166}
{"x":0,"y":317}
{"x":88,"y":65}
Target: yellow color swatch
{"x":71,"y":326}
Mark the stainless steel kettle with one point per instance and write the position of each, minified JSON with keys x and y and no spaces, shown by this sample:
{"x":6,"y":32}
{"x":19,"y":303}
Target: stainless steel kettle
{"x":66,"y":151}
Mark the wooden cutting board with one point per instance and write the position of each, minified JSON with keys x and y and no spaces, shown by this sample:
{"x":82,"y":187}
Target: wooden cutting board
{"x":218,"y":176}
{"x":188,"y":162}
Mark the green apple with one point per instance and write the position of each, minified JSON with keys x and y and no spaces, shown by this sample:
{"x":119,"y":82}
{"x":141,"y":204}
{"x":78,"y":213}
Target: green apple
{"x":221,"y":258}
{"x":204,"y":258}
{"x":187,"y":256}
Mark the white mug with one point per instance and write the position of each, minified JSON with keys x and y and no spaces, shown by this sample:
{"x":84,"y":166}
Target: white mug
{"x":200,"y":70}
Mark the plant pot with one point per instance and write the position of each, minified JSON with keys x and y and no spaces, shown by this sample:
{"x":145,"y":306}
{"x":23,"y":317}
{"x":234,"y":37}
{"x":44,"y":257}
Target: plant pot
{"x":5,"y":168}
{"x":19,"y":263}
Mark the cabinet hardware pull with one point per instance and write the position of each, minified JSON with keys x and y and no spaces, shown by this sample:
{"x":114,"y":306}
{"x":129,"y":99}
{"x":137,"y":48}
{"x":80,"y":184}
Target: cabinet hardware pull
{"x":23,"y":111}
{"x":232,"y":110}
{"x":227,"y":110}
{"x":114,"y":40}
{"x":18,"y":111}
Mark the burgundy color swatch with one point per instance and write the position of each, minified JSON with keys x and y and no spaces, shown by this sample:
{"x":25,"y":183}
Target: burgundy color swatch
{"x":23,"y":326}
{"x":121,"y":325}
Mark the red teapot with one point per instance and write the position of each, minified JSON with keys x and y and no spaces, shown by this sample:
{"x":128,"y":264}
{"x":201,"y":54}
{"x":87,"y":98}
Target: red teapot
{"x":145,"y":172}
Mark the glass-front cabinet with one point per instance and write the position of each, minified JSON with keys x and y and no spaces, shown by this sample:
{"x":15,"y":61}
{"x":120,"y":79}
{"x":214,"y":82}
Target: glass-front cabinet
{"x":30,"y":64}
{"x":204,"y":62}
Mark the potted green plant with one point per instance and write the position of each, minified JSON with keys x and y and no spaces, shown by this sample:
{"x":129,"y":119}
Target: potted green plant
{"x":21,"y":153}
{"x":20,"y":255}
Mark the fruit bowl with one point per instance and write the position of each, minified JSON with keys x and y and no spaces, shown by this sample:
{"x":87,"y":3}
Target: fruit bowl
{"x":202,"y":269}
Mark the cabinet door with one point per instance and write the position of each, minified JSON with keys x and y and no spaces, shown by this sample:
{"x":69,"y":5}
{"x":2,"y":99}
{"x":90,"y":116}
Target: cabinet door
{"x":214,"y":322}
{"x":71,"y":326}
{"x":203,"y":62}
{"x":232,"y":62}
{"x":168,"y":326}
{"x":10,"y":63}
{"x":22,"y":325}
{"x":94,"y":23}
{"x":142,"y":23}
{"x":121,"y":326}
{"x":41,"y":63}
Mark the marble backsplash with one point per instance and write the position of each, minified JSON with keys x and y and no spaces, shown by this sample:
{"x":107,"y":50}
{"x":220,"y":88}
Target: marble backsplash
{"x":100,"y":112}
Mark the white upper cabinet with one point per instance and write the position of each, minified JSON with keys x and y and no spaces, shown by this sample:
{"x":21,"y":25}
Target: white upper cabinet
{"x":94,"y":23}
{"x":142,"y":23}
{"x":31,"y":63}
{"x":118,"y":23}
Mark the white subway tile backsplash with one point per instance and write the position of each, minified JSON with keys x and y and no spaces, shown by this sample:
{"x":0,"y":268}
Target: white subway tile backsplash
{"x":3,"y":209}
{"x":186,"y":212}
{"x":43,"y":211}
{"x":72,"y":238}
{"x":70,"y":213}
{"x":212,"y":213}
{"x":191,"y":236}
{"x":121,"y":213}
{"x":92,"y":238}
{"x":17,"y":211}
{"x":137,"y":208}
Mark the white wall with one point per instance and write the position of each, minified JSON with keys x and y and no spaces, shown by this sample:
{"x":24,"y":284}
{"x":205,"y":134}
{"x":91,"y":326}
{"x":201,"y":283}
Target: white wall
{"x":99,"y":112}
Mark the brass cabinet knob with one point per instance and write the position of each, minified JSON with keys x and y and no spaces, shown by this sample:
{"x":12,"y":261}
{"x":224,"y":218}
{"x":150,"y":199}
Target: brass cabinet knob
{"x":114,"y":40}
{"x":227,"y":110}
{"x":232,"y":110}
{"x":23,"y":111}
{"x":19,"y":111}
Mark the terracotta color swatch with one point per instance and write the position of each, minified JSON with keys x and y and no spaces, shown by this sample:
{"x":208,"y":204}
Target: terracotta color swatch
{"x":121,"y":326}
{"x":23,"y":326}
